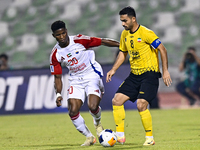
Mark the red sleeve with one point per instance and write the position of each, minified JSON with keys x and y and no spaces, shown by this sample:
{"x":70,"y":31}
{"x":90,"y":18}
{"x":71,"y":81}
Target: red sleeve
{"x":87,"y":41}
{"x":55,"y":66}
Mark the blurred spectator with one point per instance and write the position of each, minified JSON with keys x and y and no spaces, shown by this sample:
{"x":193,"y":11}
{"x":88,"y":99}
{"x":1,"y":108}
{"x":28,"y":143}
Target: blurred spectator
{"x":4,"y":62}
{"x":190,"y":86}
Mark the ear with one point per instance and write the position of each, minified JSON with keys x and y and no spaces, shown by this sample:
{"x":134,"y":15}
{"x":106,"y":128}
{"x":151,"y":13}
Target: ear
{"x":133,"y":19}
{"x":53,"y":35}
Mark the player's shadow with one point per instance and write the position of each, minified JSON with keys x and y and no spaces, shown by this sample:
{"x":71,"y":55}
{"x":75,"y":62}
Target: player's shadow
{"x":97,"y":146}
{"x":55,"y":146}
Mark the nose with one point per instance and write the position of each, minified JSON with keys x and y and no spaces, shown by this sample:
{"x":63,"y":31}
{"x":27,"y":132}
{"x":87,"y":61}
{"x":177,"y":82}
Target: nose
{"x":61,"y":36}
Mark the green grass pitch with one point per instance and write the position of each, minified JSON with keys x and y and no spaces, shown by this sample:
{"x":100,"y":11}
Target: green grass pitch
{"x":173,"y":130}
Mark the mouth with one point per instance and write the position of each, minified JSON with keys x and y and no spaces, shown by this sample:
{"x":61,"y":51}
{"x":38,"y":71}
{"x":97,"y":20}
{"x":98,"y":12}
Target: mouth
{"x":62,"y":41}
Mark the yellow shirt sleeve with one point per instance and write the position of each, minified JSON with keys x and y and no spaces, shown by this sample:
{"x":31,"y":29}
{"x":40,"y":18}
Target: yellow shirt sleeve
{"x":122,"y":45}
{"x":150,"y":36}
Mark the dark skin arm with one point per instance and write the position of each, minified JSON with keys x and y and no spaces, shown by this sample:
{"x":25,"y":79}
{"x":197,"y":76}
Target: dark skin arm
{"x":109,"y":42}
{"x":58,"y":88}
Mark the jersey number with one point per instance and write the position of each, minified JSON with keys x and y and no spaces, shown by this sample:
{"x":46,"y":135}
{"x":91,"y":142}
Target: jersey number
{"x":132,"y":45}
{"x":70,"y":90}
{"x":73,"y":61}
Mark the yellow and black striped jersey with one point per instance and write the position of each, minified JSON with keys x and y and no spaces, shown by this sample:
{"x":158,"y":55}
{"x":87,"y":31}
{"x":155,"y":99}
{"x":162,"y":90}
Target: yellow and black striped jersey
{"x":141,"y":46}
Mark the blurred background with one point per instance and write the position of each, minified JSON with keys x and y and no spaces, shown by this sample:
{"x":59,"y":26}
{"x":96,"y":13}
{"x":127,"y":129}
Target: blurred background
{"x":27,"y":39}
{"x":26,"y":35}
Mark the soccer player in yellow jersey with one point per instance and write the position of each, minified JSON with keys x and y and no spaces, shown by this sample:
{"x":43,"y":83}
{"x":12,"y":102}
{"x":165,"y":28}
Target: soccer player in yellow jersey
{"x":143,"y":45}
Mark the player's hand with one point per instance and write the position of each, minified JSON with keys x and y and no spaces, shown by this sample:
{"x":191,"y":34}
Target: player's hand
{"x":58,"y":101}
{"x":166,"y":78}
{"x":109,"y":75}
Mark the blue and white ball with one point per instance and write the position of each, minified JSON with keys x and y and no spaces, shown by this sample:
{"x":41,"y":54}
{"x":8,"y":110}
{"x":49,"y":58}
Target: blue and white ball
{"x":107,"y":138}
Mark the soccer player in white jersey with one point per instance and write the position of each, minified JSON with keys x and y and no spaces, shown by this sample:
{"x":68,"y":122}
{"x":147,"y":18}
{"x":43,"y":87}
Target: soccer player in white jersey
{"x":85,"y":76}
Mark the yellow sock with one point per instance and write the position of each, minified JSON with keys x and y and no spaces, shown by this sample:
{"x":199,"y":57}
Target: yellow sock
{"x":147,"y":122}
{"x":119,"y":116}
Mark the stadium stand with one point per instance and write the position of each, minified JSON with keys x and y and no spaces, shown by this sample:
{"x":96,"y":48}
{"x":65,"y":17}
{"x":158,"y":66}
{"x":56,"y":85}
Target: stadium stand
{"x":26,"y":35}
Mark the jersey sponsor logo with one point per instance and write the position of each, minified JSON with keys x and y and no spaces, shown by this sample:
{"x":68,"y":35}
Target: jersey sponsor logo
{"x":79,"y":68}
{"x":52,"y":68}
{"x":139,"y":39}
{"x":135,"y":55}
{"x":76,"y":52}
{"x":69,"y":55}
{"x":141,"y":92}
{"x":132,"y":36}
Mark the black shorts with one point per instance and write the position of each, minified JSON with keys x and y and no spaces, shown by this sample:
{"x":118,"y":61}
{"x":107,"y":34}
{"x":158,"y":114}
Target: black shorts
{"x":143,"y":86}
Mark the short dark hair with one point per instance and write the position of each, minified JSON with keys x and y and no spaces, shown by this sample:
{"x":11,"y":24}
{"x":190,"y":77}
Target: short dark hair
{"x":192,"y":48}
{"x":4,"y":56}
{"x":57,"y":25}
{"x":130,"y":11}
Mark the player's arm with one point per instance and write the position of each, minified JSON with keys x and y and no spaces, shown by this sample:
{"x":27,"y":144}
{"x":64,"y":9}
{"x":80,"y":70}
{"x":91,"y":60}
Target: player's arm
{"x":166,"y":76}
{"x":58,"y":88}
{"x":109,"y":42}
{"x":120,"y":59}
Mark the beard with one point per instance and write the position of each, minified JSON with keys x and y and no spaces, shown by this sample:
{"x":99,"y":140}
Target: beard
{"x":128,"y":27}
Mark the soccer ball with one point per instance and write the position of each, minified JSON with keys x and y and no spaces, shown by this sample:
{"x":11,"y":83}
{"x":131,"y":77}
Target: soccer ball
{"x":107,"y":138}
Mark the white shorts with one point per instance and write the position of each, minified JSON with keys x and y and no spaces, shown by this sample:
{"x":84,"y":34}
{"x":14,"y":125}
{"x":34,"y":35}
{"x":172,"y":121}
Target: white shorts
{"x":79,"y":88}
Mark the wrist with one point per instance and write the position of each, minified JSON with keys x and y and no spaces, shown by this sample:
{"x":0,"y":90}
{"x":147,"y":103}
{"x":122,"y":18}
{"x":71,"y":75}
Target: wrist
{"x":58,"y":95}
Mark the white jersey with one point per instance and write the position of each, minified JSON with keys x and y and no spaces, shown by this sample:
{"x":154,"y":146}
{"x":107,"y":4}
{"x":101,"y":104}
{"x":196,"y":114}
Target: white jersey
{"x":79,"y":61}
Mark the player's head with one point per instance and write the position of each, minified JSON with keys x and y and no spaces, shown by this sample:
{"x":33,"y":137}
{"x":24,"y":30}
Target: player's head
{"x":60,"y":32}
{"x":128,"y":17}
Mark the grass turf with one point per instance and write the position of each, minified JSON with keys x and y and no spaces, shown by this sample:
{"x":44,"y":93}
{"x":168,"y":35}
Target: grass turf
{"x":173,"y":130}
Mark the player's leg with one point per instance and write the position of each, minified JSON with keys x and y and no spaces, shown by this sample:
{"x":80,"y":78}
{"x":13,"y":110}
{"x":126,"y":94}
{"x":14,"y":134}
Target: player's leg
{"x":76,"y":97}
{"x":147,"y":93}
{"x":95,"y":111}
{"x":127,"y":90}
{"x":94,"y":90}
{"x":74,"y":106}
{"x":119,"y":115}
{"x":146,"y":121}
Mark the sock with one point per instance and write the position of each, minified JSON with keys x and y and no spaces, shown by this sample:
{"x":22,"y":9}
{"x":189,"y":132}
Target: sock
{"x":96,"y":116}
{"x":147,"y":122}
{"x":120,"y":134}
{"x":79,"y":123}
{"x":119,"y":117}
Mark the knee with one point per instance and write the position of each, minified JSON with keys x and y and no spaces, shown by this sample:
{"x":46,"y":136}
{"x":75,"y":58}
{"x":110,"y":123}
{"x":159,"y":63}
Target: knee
{"x":73,"y":113}
{"x":142,"y":105}
{"x":93,"y":106}
{"x":116,"y":102}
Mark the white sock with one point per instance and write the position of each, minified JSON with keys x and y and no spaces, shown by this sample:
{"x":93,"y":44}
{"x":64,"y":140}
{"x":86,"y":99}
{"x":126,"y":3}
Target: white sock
{"x":120,"y":134}
{"x":96,"y":116}
{"x":149,"y":137}
{"x":79,"y":123}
